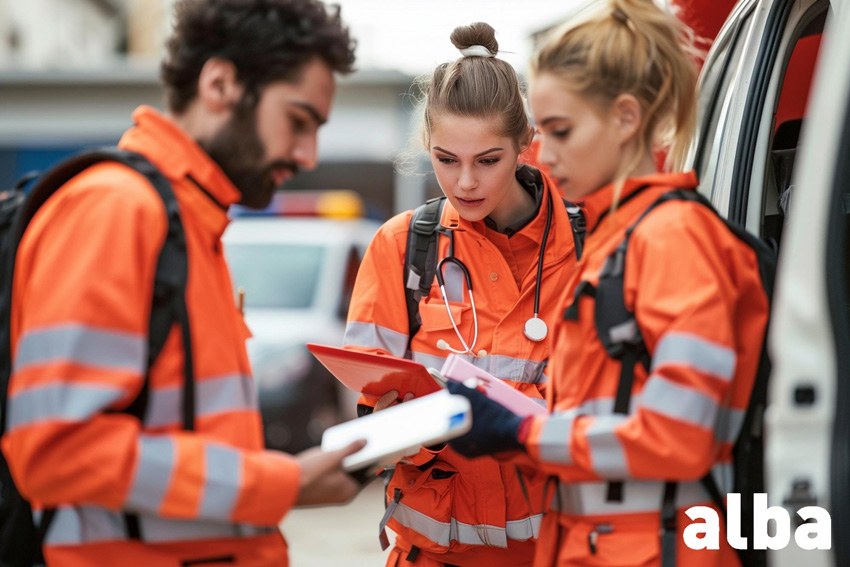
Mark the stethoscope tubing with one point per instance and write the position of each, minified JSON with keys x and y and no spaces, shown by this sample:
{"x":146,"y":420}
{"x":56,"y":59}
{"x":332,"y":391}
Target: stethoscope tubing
{"x":452,"y":259}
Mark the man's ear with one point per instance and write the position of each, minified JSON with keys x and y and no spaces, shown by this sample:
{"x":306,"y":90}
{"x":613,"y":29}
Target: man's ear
{"x":218,"y":86}
{"x":628,"y":116}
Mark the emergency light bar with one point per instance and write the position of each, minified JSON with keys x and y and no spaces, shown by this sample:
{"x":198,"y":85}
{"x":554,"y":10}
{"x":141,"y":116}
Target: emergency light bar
{"x":338,"y":203}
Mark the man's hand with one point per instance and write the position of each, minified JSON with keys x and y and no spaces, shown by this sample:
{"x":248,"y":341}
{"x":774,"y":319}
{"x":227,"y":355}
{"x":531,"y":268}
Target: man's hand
{"x":323,"y":480}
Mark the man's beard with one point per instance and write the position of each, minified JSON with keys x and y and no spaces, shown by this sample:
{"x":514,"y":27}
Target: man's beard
{"x":239,"y":152}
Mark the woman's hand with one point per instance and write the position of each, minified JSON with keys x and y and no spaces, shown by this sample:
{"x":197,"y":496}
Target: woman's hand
{"x":495,"y":428}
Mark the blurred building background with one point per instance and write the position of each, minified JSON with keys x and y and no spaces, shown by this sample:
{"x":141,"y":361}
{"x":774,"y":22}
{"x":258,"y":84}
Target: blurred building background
{"x":72,"y":71}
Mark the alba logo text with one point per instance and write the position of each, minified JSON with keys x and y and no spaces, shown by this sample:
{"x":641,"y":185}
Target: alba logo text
{"x":815,"y":533}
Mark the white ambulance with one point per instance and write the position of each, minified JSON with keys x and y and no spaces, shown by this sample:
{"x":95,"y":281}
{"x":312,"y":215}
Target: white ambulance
{"x":773,"y":153}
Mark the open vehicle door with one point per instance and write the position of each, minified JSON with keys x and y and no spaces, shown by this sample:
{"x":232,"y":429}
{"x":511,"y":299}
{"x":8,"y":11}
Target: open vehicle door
{"x":808,"y":422}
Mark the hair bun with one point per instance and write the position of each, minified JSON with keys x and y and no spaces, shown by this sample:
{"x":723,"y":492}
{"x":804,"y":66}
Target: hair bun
{"x":479,"y":33}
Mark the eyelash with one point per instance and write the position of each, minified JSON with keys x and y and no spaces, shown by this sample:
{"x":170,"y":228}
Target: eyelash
{"x":485,"y":161}
{"x":561,"y":133}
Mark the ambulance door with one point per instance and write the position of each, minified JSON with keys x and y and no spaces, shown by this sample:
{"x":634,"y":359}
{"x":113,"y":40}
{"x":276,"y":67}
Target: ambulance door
{"x":808,"y":422}
{"x":744,"y":86}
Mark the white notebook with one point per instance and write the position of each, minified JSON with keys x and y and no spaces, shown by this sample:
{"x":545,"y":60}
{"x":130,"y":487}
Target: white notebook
{"x":401,"y":430}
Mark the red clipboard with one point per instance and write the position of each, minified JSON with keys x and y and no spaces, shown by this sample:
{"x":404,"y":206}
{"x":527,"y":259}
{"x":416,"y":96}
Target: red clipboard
{"x":375,"y":374}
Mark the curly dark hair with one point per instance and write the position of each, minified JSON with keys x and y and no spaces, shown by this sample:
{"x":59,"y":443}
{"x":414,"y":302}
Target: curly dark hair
{"x":267,"y":41}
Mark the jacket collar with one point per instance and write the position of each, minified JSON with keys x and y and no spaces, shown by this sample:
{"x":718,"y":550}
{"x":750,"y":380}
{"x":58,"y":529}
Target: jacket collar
{"x":597,"y":204}
{"x":209,"y":192}
{"x":560,"y":241}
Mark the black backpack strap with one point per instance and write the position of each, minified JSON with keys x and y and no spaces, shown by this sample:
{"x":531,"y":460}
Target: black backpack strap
{"x":668,"y":525}
{"x":169,"y":297}
{"x":578,"y":225}
{"x":169,"y":293}
{"x":619,"y":333}
{"x":420,"y":259}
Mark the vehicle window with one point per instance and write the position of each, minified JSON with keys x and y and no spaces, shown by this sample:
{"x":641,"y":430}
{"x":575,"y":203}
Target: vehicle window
{"x":275,"y":276}
{"x":789,"y":116}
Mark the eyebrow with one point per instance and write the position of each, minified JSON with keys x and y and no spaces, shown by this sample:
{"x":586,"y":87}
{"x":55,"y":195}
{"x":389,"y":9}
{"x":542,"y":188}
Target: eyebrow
{"x":552,"y":119}
{"x":476,"y":155}
{"x":311,"y":110}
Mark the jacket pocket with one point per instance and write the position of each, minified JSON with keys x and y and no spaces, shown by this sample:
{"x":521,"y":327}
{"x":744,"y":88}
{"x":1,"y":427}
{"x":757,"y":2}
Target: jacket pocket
{"x":606,"y":545}
{"x":424,"y":513}
{"x":436,"y":318}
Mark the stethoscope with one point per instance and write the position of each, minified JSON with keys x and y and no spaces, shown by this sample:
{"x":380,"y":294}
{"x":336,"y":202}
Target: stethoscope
{"x":535,"y":328}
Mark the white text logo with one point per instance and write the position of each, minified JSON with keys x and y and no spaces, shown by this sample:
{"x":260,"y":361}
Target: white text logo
{"x":816,"y":534}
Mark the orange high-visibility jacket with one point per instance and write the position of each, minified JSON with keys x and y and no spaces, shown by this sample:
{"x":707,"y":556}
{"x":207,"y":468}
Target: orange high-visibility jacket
{"x":697,"y":296}
{"x":81,"y":304}
{"x":468,"y":513}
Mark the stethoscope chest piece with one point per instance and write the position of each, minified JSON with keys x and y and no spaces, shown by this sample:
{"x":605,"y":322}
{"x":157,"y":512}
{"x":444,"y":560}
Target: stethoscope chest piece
{"x":536,"y":329}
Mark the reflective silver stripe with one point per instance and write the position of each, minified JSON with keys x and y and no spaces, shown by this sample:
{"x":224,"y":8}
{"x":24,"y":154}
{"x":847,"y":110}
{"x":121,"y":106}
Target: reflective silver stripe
{"x":83,"y":345}
{"x":223,"y":478}
{"x":554,"y":443}
{"x":525,"y":529}
{"x":443,"y":533}
{"x":509,"y":368}
{"x":505,"y":367}
{"x":84,"y":525}
{"x":156,"y":460}
{"x":75,"y":526}
{"x":213,"y":396}
{"x":374,"y":336}
{"x":65,"y":402}
{"x":591,"y":498}
{"x":679,"y":402}
{"x":161,"y":530}
{"x":609,"y":460}
{"x":685,"y":349}
{"x":604,"y":406}
{"x":729,"y":424}
{"x":429,"y":360}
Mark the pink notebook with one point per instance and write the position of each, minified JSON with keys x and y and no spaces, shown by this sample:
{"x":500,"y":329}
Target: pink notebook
{"x":457,"y":369}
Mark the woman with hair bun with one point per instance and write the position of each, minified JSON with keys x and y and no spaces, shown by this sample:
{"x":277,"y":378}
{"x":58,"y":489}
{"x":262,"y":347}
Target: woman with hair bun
{"x":506,"y":227}
{"x":656,"y":353}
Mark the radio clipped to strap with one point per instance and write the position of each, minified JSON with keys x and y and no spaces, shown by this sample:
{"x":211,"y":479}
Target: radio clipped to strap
{"x":578,"y":225}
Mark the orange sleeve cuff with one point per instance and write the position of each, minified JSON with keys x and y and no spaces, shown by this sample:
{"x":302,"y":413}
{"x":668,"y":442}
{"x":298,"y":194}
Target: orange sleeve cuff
{"x":271,"y":484}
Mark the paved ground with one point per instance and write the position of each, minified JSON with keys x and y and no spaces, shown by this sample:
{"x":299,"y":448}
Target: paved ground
{"x":339,"y":536}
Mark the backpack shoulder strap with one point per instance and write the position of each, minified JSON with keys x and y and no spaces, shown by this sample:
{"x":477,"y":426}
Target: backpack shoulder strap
{"x":420,"y":259}
{"x":169,"y":292}
{"x":172,"y":266}
{"x":578,"y":226}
